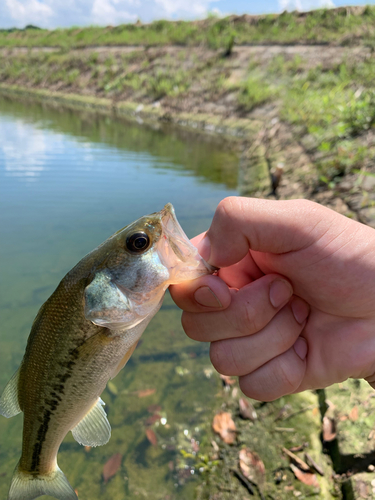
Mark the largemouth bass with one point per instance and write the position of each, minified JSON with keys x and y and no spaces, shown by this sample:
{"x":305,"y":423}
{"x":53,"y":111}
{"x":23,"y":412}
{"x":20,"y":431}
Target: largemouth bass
{"x":82,"y":336}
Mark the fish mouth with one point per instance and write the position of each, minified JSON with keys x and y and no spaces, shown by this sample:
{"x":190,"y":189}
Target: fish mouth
{"x":179,"y":255}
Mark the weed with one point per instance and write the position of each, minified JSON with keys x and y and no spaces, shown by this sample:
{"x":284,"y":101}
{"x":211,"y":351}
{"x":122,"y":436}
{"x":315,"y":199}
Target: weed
{"x":345,"y":156}
{"x":93,"y":58}
{"x":72,"y":76}
{"x":359,"y":114}
{"x":165,"y":83}
{"x":254,"y":92}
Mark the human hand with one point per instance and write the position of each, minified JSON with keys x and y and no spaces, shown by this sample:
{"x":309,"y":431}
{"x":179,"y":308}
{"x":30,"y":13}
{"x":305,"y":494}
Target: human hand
{"x":293,"y":305}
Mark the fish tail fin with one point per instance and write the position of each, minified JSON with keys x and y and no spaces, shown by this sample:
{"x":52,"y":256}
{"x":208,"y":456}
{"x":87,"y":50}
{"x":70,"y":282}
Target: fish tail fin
{"x":27,"y":486}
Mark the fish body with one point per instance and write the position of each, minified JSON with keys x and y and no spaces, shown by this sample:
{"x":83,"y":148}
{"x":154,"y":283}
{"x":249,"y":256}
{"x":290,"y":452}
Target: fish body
{"x":83,"y":336}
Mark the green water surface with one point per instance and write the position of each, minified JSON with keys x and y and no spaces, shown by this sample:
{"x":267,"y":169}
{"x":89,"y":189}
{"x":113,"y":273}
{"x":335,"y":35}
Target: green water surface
{"x":68,"y":180}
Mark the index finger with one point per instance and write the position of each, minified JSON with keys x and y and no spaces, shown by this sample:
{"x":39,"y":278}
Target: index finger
{"x":277,"y":227}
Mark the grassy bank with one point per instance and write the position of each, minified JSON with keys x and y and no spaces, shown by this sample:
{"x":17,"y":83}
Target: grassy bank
{"x":344,"y":25}
{"x":325,"y":97}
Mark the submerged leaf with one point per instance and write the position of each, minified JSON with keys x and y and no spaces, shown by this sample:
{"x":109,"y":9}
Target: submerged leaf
{"x":194,"y":445}
{"x":227,"y":381}
{"x":112,"y":388}
{"x":329,"y":429}
{"x":145,"y":393}
{"x":353,"y":415}
{"x":152,"y":419}
{"x":154,"y":408}
{"x":252,"y":467}
{"x":224,"y":426}
{"x":215,"y":453}
{"x":299,"y":447}
{"x":151,"y":436}
{"x":111,"y":467}
{"x":305,"y":477}
{"x":247,"y":410}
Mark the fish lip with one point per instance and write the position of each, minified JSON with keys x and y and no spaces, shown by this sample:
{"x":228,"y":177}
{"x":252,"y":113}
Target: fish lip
{"x":169,"y":211}
{"x":175,"y":235}
{"x":181,"y":246}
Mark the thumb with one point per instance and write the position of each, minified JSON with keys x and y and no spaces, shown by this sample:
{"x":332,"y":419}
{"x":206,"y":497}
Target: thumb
{"x":240,"y":224}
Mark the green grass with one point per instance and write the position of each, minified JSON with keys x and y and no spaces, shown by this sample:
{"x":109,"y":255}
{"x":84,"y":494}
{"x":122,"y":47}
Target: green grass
{"x":111,"y":75}
{"x":319,"y":26}
{"x":254,"y":92}
{"x":335,"y":107}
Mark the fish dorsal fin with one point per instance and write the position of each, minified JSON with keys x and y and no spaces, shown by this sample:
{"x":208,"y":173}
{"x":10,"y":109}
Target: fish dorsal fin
{"x":94,"y":428}
{"x":124,"y":360}
{"x":9,"y":405}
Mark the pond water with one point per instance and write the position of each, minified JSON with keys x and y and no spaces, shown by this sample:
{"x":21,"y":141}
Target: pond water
{"x":69,"y":180}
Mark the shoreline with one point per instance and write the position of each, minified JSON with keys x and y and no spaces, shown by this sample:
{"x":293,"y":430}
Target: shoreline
{"x":234,"y":129}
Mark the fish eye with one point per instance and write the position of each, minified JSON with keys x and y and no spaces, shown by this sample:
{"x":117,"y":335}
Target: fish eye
{"x":138,"y":242}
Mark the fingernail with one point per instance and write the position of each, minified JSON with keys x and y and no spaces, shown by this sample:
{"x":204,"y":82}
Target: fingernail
{"x":280,"y":292}
{"x":300,"y":309}
{"x":206,"y":297}
{"x":300,"y":346}
{"x":204,"y":248}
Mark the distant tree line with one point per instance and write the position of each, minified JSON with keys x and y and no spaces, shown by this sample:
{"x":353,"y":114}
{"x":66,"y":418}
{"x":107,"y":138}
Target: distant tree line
{"x":28,"y":27}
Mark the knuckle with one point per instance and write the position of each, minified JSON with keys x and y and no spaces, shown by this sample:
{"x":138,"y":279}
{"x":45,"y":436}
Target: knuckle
{"x":306,"y":207}
{"x":248,"y":321}
{"x":189,"y":325}
{"x":285,"y":336}
{"x":222,"y":357}
{"x":227,"y":209}
{"x":258,"y":393}
{"x":306,"y":204}
{"x":226,"y":205}
{"x":285,"y":329}
{"x":287,"y":377}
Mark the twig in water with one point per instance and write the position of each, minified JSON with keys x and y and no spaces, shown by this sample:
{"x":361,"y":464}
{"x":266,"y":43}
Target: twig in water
{"x":244,"y":481}
{"x":302,"y":410}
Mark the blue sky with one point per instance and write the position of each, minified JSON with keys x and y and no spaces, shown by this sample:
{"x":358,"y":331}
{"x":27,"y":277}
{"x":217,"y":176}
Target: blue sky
{"x":62,"y":13}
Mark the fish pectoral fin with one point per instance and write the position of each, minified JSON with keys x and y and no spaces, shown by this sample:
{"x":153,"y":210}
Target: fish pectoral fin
{"x":26,"y":486}
{"x":124,"y":360}
{"x":94,"y":428}
{"x":9,"y":405}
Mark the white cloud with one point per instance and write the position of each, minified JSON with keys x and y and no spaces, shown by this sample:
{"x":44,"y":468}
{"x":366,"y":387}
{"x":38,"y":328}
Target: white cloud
{"x":27,"y":162}
{"x":107,"y":12}
{"x":305,"y":5}
{"x":191,"y":7}
{"x":217,"y":12}
{"x":61,"y":13}
{"x":30,"y":12}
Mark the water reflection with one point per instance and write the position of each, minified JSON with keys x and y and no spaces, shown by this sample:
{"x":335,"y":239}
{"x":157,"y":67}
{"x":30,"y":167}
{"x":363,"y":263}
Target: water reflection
{"x":27,"y":162}
{"x":68,"y":181}
{"x":178,"y":149}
